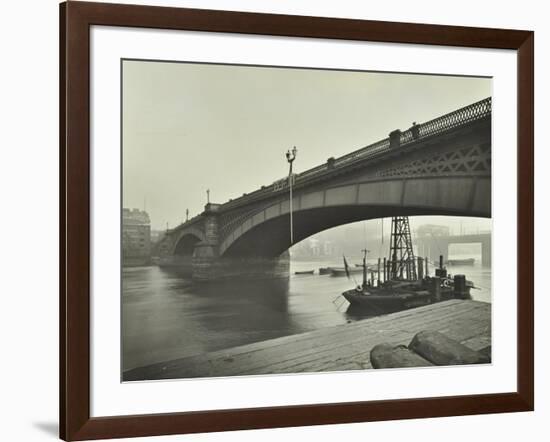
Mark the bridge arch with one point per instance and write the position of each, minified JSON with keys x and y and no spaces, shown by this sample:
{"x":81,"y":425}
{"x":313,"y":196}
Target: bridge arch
{"x":185,"y":243}
{"x":266,"y":232}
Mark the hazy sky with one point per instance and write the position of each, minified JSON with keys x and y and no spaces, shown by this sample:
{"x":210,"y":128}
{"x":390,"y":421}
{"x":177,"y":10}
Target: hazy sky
{"x":192,"y":127}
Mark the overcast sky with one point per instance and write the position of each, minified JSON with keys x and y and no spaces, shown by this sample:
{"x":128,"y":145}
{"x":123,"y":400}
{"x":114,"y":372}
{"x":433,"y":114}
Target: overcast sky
{"x":192,"y":127}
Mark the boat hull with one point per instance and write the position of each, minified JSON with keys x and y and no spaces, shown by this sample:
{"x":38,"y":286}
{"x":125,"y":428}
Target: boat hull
{"x":387,"y":301}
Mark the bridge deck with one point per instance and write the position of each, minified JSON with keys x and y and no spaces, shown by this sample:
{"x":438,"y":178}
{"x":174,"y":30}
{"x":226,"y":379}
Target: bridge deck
{"x":342,"y":347}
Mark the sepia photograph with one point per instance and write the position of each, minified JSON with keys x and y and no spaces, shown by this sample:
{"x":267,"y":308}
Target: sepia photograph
{"x":287,"y":220}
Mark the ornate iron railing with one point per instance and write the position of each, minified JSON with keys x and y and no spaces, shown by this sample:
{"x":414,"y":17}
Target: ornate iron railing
{"x":473,"y":112}
{"x":468,"y":114}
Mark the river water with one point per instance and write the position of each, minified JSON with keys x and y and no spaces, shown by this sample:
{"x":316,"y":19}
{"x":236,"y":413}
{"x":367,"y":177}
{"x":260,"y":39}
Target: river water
{"x":165,"y":316}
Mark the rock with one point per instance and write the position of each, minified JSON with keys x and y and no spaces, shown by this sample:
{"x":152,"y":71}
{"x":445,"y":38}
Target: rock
{"x":441,"y":350}
{"x":388,"y":356}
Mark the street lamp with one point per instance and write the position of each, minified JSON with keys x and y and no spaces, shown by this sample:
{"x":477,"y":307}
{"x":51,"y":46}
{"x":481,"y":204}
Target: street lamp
{"x":290,"y":157}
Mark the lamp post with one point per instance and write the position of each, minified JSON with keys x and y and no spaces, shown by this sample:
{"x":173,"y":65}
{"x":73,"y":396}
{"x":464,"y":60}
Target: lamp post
{"x":290,"y":157}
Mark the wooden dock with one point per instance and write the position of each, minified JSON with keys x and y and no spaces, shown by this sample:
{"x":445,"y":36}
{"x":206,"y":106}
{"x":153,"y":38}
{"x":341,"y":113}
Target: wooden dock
{"x":338,"y":348}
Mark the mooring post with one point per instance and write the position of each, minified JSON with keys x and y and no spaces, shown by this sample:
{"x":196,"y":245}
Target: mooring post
{"x":426,"y":261}
{"x":385,"y":270}
{"x":460,"y":291}
{"x":436,"y":288}
{"x":378,"y":272}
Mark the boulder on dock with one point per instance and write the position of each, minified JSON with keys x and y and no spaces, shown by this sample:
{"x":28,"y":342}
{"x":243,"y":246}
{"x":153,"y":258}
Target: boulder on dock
{"x":442,"y":350}
{"x":389,"y":356}
{"x":427,"y":348}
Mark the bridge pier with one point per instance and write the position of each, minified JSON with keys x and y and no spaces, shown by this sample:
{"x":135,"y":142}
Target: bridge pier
{"x":486,"y":253}
{"x":204,"y":261}
{"x":241,"y":268}
{"x":206,"y":253}
{"x":201,"y":260}
{"x":206,"y":265}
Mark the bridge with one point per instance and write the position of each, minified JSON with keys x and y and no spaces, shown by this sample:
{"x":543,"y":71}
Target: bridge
{"x":440,"y":167}
{"x":434,"y":246}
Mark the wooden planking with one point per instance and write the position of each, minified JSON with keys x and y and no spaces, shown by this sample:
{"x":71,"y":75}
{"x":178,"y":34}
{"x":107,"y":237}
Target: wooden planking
{"x":336,"y":349}
{"x":354,"y":351}
{"x":342,"y":347}
{"x":330,"y":336}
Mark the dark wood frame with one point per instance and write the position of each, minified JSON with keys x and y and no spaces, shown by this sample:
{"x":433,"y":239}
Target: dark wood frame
{"x":75,"y":21}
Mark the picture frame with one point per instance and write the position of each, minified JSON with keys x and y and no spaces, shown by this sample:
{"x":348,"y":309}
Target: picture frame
{"x":76,"y":18}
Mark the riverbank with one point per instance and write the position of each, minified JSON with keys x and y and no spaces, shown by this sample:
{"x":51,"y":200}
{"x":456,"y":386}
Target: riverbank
{"x":337,"y":348}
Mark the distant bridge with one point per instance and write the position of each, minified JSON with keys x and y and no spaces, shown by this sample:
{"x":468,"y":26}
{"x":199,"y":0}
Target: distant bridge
{"x":441,"y":167}
{"x":434,"y":246}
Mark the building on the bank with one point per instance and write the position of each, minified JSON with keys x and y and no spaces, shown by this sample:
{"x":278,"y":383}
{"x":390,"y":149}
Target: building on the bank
{"x":136,"y":237}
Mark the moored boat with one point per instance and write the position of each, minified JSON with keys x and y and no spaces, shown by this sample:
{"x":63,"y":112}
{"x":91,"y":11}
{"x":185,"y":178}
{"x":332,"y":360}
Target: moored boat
{"x":341,"y":271}
{"x":403,"y":287}
{"x":305,"y":272}
{"x":401,"y":295}
{"x":385,"y":301}
{"x":461,"y":262}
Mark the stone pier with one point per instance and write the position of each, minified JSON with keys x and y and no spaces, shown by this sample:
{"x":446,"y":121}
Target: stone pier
{"x":201,"y":259}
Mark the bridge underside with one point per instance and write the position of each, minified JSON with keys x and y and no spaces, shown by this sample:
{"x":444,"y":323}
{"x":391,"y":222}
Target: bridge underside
{"x":271,"y":238}
{"x":266,"y":233}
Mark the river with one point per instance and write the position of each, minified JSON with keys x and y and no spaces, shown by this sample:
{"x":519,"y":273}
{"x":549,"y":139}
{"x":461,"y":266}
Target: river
{"x":166,"y":317}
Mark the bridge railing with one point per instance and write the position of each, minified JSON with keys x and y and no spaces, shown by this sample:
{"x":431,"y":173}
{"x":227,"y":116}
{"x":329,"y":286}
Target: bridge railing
{"x":465,"y":115}
{"x":189,"y":222}
{"x":473,"y":112}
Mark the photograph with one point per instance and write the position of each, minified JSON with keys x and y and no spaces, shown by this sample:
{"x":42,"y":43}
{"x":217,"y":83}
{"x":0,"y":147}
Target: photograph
{"x":272,"y":220}
{"x":289,"y":220}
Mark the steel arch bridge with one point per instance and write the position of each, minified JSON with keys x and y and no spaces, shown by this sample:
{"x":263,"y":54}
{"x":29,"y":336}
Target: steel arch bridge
{"x":441,"y":167}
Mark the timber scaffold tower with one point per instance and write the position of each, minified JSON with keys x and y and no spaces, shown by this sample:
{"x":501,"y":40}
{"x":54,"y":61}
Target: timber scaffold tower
{"x":402,"y":263}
